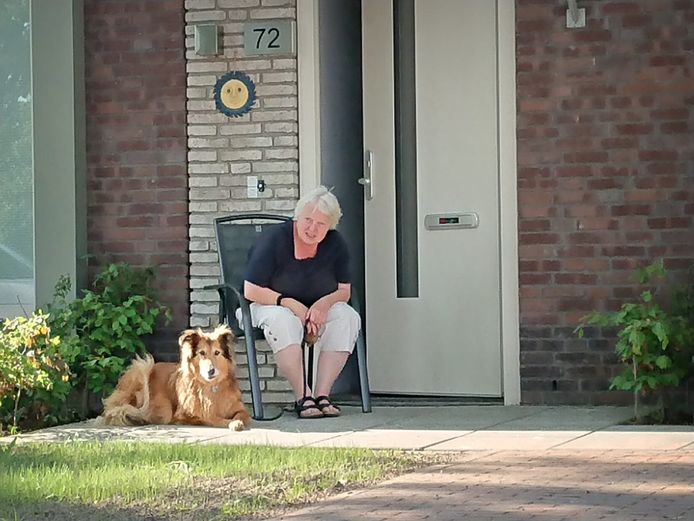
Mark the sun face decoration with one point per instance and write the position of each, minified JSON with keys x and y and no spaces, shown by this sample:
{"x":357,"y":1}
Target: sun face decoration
{"x":234,"y":94}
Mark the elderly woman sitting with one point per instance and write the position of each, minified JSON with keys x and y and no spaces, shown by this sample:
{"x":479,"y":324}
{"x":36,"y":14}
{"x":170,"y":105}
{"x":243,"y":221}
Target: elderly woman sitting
{"x":298,"y":281}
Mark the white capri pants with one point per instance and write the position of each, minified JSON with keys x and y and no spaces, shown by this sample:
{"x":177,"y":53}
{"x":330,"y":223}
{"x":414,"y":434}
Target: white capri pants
{"x":283,"y":328}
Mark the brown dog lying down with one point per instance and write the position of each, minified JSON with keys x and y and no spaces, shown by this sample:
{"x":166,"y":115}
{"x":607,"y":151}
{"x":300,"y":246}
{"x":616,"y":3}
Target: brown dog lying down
{"x":201,"y":390}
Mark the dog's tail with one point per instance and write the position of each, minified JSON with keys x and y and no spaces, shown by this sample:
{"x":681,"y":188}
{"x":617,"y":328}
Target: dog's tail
{"x":129,"y":403}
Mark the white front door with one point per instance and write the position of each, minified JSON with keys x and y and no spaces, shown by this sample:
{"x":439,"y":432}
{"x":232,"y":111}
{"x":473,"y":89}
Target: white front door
{"x":432,"y":222}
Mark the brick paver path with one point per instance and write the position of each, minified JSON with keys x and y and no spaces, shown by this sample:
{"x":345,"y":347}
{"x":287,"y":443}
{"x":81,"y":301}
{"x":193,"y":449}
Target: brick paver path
{"x":519,"y":486}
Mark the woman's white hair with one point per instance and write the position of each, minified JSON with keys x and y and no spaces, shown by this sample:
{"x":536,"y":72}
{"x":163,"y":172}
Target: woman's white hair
{"x":323,"y":200}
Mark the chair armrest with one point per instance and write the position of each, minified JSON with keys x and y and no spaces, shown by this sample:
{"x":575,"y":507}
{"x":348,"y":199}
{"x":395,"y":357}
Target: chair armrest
{"x":230,"y":299}
{"x":214,"y":286}
{"x":223,"y":288}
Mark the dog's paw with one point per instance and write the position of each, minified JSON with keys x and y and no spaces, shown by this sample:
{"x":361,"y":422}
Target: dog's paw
{"x":235,"y":425}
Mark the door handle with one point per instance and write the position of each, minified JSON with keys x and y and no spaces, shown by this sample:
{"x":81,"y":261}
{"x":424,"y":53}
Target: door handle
{"x":366,"y":181}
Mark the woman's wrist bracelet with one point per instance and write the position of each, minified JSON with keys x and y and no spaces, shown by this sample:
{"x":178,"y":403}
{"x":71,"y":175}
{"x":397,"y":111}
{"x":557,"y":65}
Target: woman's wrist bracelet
{"x":278,"y":302}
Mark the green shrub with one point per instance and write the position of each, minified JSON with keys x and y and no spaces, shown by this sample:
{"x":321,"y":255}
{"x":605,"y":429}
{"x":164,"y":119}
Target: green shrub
{"x":95,"y":335}
{"x":103,"y":329}
{"x":30,"y":360}
{"x":656,"y":345}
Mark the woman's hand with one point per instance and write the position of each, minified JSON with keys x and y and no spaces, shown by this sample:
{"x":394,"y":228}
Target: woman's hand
{"x":317,"y":316}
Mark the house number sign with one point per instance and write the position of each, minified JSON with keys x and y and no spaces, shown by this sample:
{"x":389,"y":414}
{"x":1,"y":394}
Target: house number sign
{"x":269,"y":37}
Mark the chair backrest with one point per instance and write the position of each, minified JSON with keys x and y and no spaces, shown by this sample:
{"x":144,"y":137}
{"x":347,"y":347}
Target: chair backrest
{"x":236,"y":235}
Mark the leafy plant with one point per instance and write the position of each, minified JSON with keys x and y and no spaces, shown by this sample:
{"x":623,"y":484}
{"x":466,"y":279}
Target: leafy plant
{"x":104,"y":328}
{"x":655,"y":344}
{"x":94,"y":335}
{"x":29,"y":360}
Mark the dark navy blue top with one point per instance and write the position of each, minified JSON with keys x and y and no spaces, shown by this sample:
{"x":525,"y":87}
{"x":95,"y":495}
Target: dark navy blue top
{"x":272,"y":264}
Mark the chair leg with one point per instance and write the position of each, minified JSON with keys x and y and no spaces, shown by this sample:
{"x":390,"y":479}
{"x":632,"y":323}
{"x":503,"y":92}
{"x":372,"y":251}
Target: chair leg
{"x":256,"y":397}
{"x":361,"y":359}
{"x":363,"y":375}
{"x":222,"y":307}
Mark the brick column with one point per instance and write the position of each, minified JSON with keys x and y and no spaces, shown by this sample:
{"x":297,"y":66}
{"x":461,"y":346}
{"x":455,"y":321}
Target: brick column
{"x":136,"y":147}
{"x":224,"y":151}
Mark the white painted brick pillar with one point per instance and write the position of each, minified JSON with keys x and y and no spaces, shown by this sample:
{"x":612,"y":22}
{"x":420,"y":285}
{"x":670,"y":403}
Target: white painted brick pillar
{"x":224,"y":151}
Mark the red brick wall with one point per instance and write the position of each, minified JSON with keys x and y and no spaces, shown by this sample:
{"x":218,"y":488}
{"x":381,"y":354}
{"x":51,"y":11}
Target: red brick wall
{"x":136,"y":143}
{"x":605,"y":175}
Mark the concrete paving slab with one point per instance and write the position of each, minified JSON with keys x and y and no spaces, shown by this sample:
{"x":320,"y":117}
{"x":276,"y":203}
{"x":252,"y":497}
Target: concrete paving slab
{"x":630,"y":440}
{"x":437,"y":418}
{"x":402,"y":439}
{"x":457,"y":428}
{"x":508,"y":440}
{"x":352,"y":418}
{"x":570,"y":419}
{"x":181,"y":433}
{"x":274,"y":438}
{"x":82,"y":431}
{"x":458,"y":417}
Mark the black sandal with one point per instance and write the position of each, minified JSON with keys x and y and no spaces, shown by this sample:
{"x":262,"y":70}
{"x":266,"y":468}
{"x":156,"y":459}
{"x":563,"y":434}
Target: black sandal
{"x":301,"y":406}
{"x":323,"y":402}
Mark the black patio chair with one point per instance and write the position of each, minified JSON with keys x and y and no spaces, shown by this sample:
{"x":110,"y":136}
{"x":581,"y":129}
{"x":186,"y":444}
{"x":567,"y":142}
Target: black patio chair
{"x":236,"y":235}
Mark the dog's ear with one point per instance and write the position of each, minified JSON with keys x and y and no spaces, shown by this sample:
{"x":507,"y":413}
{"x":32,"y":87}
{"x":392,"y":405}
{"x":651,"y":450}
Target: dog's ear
{"x":226,"y":340}
{"x":188,"y":342}
{"x":189,"y":336}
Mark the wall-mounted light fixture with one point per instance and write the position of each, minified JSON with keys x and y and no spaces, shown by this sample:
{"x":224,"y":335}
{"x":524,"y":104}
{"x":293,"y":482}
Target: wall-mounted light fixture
{"x":575,"y":17}
{"x":206,"y":39}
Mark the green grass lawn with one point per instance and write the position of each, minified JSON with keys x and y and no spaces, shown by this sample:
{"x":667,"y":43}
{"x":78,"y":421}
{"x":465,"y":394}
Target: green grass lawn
{"x":118,"y":480}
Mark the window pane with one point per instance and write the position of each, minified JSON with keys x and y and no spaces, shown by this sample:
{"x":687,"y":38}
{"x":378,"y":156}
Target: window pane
{"x":16,"y":165}
{"x":405,"y":150}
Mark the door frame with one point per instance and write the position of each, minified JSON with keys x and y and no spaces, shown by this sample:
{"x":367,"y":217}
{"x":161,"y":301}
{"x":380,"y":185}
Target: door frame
{"x":308,"y":90}
{"x":309,"y":164}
